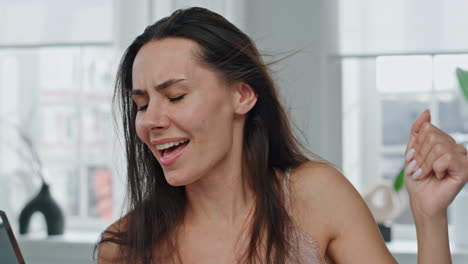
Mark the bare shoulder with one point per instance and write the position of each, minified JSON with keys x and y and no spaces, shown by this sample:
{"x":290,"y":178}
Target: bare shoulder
{"x":320,"y":192}
{"x":319,"y":180}
{"x":108,"y":250}
{"x":316,"y":175}
{"x":328,"y":207}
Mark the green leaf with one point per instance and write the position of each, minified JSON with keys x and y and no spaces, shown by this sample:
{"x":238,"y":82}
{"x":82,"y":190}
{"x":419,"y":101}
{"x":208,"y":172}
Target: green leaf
{"x":399,"y":181}
{"x":463,"y":81}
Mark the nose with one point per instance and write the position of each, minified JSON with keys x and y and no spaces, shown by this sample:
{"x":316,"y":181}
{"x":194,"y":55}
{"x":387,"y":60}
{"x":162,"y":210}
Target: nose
{"x":155,"y":117}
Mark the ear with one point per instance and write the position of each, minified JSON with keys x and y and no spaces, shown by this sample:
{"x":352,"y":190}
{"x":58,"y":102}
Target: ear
{"x":245,"y":98}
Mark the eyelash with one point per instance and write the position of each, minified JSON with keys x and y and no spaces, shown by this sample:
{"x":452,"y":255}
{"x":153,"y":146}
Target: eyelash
{"x":178,"y":98}
{"x":175,"y":99}
{"x":141,"y":108}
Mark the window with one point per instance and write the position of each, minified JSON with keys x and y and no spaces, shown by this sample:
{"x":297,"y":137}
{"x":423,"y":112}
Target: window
{"x":58,"y":61}
{"x":57,"y":67}
{"x":75,"y":130}
{"x":382,"y":96}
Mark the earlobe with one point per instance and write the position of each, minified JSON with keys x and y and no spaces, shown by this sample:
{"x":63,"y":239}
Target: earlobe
{"x":245,"y":98}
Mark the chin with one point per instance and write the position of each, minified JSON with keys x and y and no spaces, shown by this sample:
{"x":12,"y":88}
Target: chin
{"x":176,"y":179}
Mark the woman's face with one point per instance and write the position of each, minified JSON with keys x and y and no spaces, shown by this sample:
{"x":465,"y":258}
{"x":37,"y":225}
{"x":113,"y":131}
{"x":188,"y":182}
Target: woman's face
{"x":186,"y":111}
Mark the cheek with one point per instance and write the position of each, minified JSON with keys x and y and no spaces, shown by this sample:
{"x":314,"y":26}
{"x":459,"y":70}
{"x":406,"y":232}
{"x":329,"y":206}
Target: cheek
{"x":196,"y":116}
{"x":207,"y":116}
{"x":141,"y":132}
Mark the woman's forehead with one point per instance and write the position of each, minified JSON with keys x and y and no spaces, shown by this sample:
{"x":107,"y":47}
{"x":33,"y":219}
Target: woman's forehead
{"x":172,"y":58}
{"x":169,"y":50}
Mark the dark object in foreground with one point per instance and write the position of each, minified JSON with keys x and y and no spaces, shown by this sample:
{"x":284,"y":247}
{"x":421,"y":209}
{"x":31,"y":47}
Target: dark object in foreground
{"x":45,"y":204}
{"x":386,"y":232}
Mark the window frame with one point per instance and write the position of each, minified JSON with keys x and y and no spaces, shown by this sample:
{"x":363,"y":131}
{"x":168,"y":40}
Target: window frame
{"x":371,"y":145}
{"x":128,"y":21}
{"x":82,"y":222}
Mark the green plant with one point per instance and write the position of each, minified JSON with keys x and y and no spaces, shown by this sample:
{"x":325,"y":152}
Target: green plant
{"x":399,"y":182}
{"x":462,"y":77}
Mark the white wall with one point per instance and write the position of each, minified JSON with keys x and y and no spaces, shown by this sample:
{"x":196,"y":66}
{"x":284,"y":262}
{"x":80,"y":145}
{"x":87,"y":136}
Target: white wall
{"x":309,"y":80}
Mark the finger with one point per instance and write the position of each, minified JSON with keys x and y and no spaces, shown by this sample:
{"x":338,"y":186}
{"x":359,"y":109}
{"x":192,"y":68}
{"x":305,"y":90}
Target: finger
{"x":429,"y":145}
{"x":430,"y":131}
{"x":426,"y":165}
{"x":442,"y":165}
{"x":429,"y":136}
{"x":423,"y":118}
{"x":411,"y":167}
{"x":461,"y":149}
{"x":457,"y":165}
{"x":449,"y":163}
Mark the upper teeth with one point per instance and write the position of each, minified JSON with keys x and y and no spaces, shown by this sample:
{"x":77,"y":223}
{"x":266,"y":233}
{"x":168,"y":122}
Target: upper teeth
{"x":170,"y":144}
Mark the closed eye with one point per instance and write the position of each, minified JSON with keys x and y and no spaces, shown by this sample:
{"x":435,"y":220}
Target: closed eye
{"x":174,"y":99}
{"x":141,"y":108}
{"x":178,"y":98}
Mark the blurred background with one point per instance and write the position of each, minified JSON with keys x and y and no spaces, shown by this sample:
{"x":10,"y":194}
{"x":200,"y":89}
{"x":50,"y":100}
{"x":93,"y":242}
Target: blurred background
{"x":364,"y":71}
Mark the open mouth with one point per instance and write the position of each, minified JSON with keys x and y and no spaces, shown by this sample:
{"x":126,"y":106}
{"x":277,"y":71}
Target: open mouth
{"x":173,"y":150}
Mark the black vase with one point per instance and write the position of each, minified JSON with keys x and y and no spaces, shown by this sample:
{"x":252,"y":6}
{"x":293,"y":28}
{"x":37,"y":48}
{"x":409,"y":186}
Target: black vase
{"x":386,"y":232}
{"x":45,"y":204}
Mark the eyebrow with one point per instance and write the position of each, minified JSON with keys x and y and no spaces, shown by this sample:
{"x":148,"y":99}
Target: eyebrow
{"x":161,"y":86}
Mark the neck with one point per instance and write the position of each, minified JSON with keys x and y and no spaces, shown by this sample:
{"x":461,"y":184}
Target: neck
{"x":223,"y":197}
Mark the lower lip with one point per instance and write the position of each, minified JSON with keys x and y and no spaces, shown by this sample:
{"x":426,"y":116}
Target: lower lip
{"x":170,"y":160}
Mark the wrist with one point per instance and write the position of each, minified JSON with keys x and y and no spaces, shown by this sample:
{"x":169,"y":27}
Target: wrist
{"x":426,"y":214}
{"x":430,"y":226}
{"x":433,"y":240}
{"x":430,"y":221}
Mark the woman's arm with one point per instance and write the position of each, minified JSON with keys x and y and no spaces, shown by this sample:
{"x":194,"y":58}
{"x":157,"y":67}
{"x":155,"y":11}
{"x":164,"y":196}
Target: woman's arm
{"x":327,"y":201}
{"x":433,"y":242}
{"x":436,"y":170}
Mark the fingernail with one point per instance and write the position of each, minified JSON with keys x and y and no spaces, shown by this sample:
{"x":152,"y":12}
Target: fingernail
{"x":416,"y":174}
{"x":410,"y":166}
{"x":410,"y":154}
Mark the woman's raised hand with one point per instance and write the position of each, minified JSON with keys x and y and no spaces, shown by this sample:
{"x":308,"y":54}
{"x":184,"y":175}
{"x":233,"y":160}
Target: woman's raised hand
{"x":436,"y":168}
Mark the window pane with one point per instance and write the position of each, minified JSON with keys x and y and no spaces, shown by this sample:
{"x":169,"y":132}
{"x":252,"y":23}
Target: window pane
{"x":444,"y":70}
{"x":453,"y":114}
{"x":8,"y":83}
{"x":390,"y":166}
{"x":404,"y":74}
{"x":59,"y":134}
{"x":100,"y":192}
{"x":65,"y":106}
{"x":19,"y":177}
{"x":64,"y":182}
{"x":96,"y":124}
{"x":58,"y":71}
{"x":39,"y":21}
{"x":98,"y":67}
{"x":398,"y":116}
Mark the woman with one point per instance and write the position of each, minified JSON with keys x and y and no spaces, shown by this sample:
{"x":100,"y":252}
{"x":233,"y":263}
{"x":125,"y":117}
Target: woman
{"x":215,"y":174}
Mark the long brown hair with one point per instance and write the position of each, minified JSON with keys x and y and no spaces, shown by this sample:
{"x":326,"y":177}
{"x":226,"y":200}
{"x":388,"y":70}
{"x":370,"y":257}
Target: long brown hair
{"x":156,"y":209}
